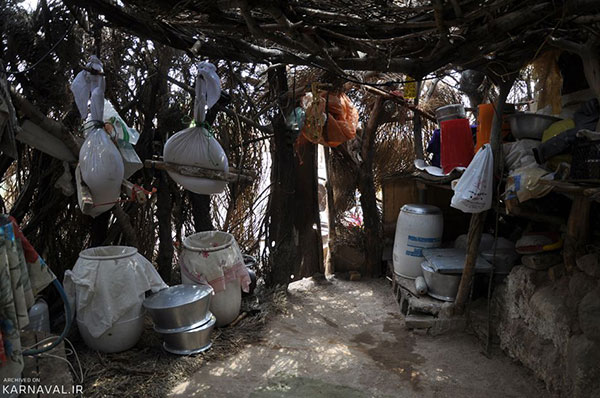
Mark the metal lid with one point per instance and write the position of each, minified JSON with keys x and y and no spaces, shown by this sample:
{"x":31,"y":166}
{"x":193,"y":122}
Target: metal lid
{"x":176,"y":296}
{"x":452,"y":261}
{"x":421,"y":209}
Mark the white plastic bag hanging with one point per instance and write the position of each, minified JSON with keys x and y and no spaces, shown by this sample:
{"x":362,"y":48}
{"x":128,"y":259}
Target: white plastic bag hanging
{"x":473,"y":192}
{"x":100,"y":162}
{"x":196,"y":146}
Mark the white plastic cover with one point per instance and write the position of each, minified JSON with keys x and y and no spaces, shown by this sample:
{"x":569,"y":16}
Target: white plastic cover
{"x":196,"y":146}
{"x":107,"y":283}
{"x":101,"y":163}
{"x":473,"y":193}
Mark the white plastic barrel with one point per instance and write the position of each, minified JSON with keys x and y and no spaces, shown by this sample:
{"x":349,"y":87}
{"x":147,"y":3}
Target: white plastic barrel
{"x":215,"y":258}
{"x":418,"y":227}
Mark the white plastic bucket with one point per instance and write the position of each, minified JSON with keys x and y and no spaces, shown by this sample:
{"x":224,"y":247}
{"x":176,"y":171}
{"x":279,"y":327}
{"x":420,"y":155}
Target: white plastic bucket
{"x":418,"y":227}
{"x":207,"y":257}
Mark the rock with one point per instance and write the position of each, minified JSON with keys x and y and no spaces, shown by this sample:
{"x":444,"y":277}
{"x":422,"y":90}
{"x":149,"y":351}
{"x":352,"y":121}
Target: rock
{"x":541,"y":261}
{"x":549,"y":317}
{"x":520,"y":286}
{"x":419,"y":321}
{"x":348,"y":258}
{"x":556,"y":272}
{"x":354,"y":276}
{"x":583,"y":369}
{"x":589,"y":264}
{"x":580,"y":284}
{"x":589,"y":315}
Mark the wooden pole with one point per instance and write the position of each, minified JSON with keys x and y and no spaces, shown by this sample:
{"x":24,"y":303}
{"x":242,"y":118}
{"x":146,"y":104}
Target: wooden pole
{"x":478,"y":219}
{"x":417,"y":125}
{"x":329,"y":265}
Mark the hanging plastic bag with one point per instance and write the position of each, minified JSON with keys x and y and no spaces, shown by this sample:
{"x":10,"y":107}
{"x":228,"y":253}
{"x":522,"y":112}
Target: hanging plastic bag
{"x":197,"y":146}
{"x":100,"y":162}
{"x":122,"y":131}
{"x":473,"y":192}
{"x":331,"y":119}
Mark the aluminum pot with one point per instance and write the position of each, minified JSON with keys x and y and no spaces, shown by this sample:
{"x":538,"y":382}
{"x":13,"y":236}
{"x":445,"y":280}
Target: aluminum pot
{"x":179,"y":308}
{"x":440,"y":286}
{"x":191,"y":341}
{"x":530,"y":125}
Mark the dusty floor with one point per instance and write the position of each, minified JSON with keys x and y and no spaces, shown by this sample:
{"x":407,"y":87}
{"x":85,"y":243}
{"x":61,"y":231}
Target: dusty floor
{"x":347,"y":339}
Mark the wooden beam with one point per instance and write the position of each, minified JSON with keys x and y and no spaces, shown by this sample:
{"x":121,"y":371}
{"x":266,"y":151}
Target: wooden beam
{"x":200,"y":172}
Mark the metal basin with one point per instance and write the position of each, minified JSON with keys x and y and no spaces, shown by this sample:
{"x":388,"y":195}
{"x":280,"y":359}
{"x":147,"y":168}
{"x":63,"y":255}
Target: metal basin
{"x":440,"y":286}
{"x":191,"y":341}
{"x":180,"y":307}
{"x":530,"y":125}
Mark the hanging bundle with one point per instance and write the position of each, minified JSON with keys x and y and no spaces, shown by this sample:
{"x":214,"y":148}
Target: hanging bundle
{"x":331,"y":119}
{"x":197,"y":146}
{"x":100,"y":162}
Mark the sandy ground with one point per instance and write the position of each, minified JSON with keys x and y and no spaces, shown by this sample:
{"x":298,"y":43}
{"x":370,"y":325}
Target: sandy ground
{"x":347,"y":339}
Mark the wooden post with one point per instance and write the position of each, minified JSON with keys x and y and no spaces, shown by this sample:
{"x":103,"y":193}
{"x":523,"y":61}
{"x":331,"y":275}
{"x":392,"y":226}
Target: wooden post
{"x":329,"y":265}
{"x":295,"y":245}
{"x":418,"y":125}
{"x":478,"y":219}
{"x":368,"y":199}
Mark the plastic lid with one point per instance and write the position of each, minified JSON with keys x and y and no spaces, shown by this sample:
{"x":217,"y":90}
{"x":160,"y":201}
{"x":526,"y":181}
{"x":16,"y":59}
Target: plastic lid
{"x":421,"y":209}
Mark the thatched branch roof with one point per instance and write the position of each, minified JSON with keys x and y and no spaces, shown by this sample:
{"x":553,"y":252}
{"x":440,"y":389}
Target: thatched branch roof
{"x":414,"y":37}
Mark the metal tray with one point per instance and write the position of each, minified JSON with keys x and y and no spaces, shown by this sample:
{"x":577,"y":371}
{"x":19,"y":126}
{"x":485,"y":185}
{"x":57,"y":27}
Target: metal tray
{"x":452,"y":261}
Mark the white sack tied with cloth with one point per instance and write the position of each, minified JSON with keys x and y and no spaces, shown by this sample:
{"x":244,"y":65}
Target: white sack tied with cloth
{"x":107,"y":283}
{"x":473,"y":192}
{"x":197,"y":146}
{"x":100,"y":162}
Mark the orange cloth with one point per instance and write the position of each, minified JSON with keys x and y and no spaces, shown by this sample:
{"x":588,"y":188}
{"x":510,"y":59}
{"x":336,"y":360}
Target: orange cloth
{"x":341,"y":122}
{"x":484,"y":125}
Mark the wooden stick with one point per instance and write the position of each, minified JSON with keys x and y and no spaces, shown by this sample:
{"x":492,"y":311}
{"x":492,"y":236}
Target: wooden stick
{"x":478,"y":219}
{"x":200,"y":172}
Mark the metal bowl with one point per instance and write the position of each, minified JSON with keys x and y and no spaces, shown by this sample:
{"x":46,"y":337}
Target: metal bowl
{"x":449,"y":112}
{"x":191,"y":341}
{"x":530,"y":125}
{"x":179,"y":308}
{"x":440,"y":286}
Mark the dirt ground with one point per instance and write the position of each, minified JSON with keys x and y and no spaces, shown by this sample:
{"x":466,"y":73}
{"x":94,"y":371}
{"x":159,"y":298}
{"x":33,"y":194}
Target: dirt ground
{"x":347,"y":339}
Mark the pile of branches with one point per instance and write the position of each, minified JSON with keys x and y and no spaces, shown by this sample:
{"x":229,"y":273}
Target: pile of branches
{"x":415,"y":37}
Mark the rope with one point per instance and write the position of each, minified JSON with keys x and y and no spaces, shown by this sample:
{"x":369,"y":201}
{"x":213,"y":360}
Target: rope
{"x":136,"y":188}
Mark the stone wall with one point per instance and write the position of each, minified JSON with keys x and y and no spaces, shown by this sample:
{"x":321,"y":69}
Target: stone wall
{"x":552,"y":326}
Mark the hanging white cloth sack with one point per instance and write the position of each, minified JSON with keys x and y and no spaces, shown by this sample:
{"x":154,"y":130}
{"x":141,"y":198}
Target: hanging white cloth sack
{"x":196,"y":146}
{"x":100,"y":162}
{"x":473,"y":192}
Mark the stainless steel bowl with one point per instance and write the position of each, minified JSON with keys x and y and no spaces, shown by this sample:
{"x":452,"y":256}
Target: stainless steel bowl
{"x":530,"y":125}
{"x":440,"y":286}
{"x":191,"y":341}
{"x":179,"y":308}
{"x":449,"y":112}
